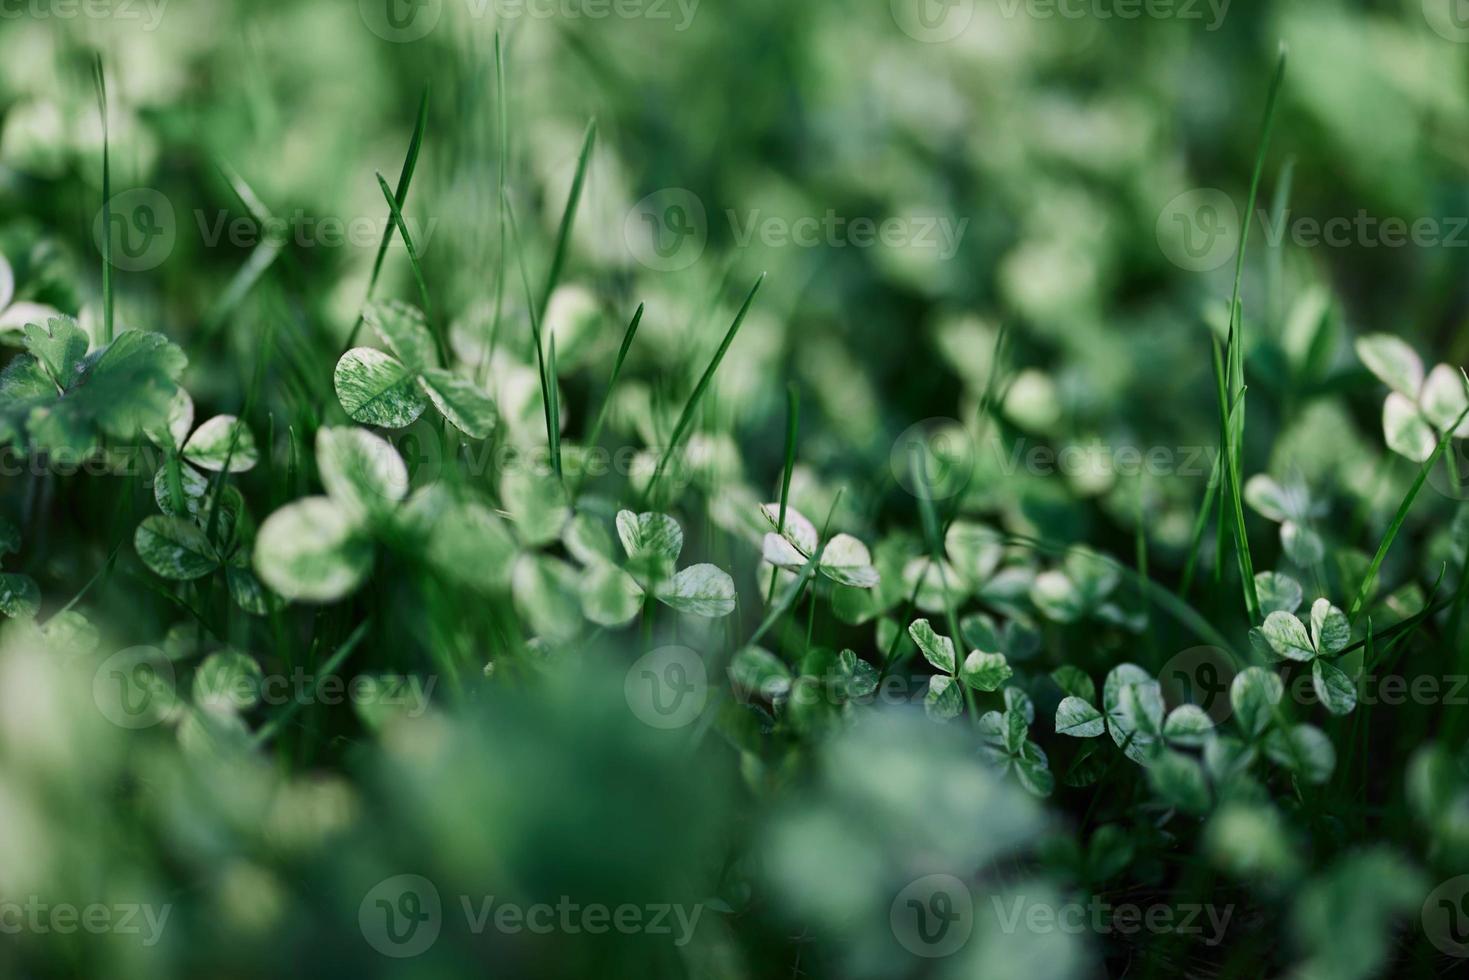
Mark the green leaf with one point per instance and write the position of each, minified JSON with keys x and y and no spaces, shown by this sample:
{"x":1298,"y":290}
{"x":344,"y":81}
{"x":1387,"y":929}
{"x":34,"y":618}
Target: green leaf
{"x":1395,"y":363}
{"x":312,"y":550}
{"x":1302,"y":545}
{"x":847,"y":561}
{"x":610,"y":596}
{"x":985,"y":671}
{"x":361,"y":472}
{"x":1187,"y":725}
{"x":760,"y":672}
{"x":1444,"y":400}
{"x":1057,"y":597}
{"x":461,"y":401}
{"x":9,"y":537}
{"x":1019,"y":702}
{"x":1076,"y":717}
{"x":1179,"y":780}
{"x":193,"y":485}
{"x":704,"y":590}
{"x":586,"y":539}
{"x":1287,"y":637}
{"x":20,"y":596}
{"x":936,"y":649}
{"x":1278,"y":592}
{"x":1253,"y":695}
{"x":174,"y":548}
{"x":70,"y":633}
{"x":227,"y":681}
{"x":943,"y":700}
{"x":1305,"y":750}
{"x":1330,"y":631}
{"x":536,"y":504}
{"x":403,"y":329}
{"x":1033,"y":770}
{"x":860,"y":676}
{"x":248,"y":591}
{"x":60,"y":347}
{"x":1405,"y":430}
{"x":377,"y":389}
{"x":1137,"y":745}
{"x":1333,"y":687}
{"x":1093,"y":576}
{"x":791,"y":547}
{"x":649,"y":534}
{"x":545,"y":591}
{"x":974,"y":550}
{"x":1273,"y":501}
{"x":1226,"y":757}
{"x":180,"y":423}
{"x":222,"y":438}
{"x":1075,"y":682}
{"x":466,"y":542}
{"x":1142,"y":708}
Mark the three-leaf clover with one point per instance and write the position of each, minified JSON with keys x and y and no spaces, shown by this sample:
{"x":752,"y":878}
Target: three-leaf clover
{"x":20,"y":597}
{"x":981,"y":670}
{"x":1329,"y":634}
{"x":652,"y":542}
{"x":789,"y":546}
{"x":970,"y":566}
{"x":1419,"y":410}
{"x":392,"y":390}
{"x":1004,"y":739}
{"x":221,"y":444}
{"x":1080,"y":588}
{"x":1289,"y":505}
{"x":60,"y":397}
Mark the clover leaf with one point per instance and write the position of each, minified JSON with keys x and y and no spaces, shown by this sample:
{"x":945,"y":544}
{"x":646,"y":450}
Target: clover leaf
{"x":981,"y":670}
{"x":1004,"y":741}
{"x":1329,"y":634}
{"x":845,"y":560}
{"x":1419,"y":410}
{"x":652,"y":542}
{"x":1289,"y":505}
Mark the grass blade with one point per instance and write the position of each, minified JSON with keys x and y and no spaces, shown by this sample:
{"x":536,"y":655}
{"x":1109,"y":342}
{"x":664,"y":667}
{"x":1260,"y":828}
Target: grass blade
{"x":547,"y":395}
{"x":100,"y":78}
{"x":595,"y":433}
{"x":793,"y":422}
{"x":413,"y":262}
{"x":568,"y":215}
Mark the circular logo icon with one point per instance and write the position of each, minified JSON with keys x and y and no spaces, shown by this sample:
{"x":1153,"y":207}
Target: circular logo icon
{"x":1200,"y":676}
{"x":1446,"y":916}
{"x":1450,"y":475}
{"x":134,"y":688}
{"x":933,"y":916}
{"x":667,"y":230}
{"x":401,"y":916}
{"x":933,"y":21}
{"x":1199,"y":229}
{"x":667,"y":687}
{"x":139,"y":227}
{"x":400,"y":21}
{"x":933,"y":459}
{"x":1448,"y":18}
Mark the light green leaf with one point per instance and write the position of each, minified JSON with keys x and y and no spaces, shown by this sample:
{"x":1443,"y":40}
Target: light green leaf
{"x":60,"y":346}
{"x":1444,"y":399}
{"x":180,"y":423}
{"x":1093,"y":576}
{"x":760,"y":672}
{"x":985,"y":671}
{"x":1077,"y":718}
{"x":1187,"y":725}
{"x":222,"y":438}
{"x":789,"y":548}
{"x":1033,"y":770}
{"x":193,"y":485}
{"x":649,"y":534}
{"x":1305,"y":750}
{"x":312,"y":550}
{"x":936,"y":649}
{"x":1405,"y":430}
{"x":227,"y":681}
{"x":1287,"y":636}
{"x":860,"y":676}
{"x":974,"y":550}
{"x":461,"y":401}
{"x":586,"y":539}
{"x":1253,"y":694}
{"x":704,"y":590}
{"x":1057,"y":597}
{"x":174,"y":548}
{"x":936,"y":585}
{"x":377,"y":389}
{"x":467,"y":543}
{"x":546,"y":595}
{"x":1333,"y":687}
{"x":1273,"y":501}
{"x":1137,"y":745}
{"x":1302,"y":545}
{"x":403,"y":329}
{"x":20,"y":596}
{"x":70,"y":632}
{"x":610,"y":596}
{"x":1019,"y":702}
{"x":847,"y":561}
{"x":943,"y":700}
{"x":1395,"y":363}
{"x":248,"y":591}
{"x":1330,"y":631}
{"x":1075,"y":682}
{"x":1278,"y":593}
{"x":361,"y":472}
{"x":1179,"y":780}
{"x":536,"y":503}
{"x":1142,"y":707}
